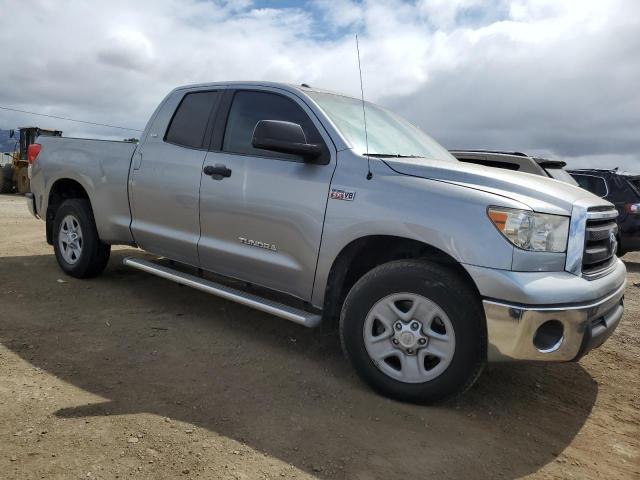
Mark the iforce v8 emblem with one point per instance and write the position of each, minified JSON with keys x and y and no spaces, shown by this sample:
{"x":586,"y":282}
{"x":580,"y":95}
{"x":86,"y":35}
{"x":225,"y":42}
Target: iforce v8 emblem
{"x":337,"y":194}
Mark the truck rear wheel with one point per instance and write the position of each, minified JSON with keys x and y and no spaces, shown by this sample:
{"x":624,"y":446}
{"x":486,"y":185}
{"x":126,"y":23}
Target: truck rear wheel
{"x":414,"y":331}
{"x":6,"y":179}
{"x":22,"y":180}
{"x":78,"y":249}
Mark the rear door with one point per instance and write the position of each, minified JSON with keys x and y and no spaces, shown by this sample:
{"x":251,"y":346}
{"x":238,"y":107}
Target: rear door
{"x":263,"y":223}
{"x":165,"y":179}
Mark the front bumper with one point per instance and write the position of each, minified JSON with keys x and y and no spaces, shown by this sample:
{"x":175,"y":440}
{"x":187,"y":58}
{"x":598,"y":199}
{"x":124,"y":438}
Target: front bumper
{"x":514,"y":330}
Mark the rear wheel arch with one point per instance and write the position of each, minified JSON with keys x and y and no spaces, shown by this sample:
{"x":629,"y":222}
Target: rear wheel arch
{"x":365,"y":253}
{"x":61,"y":190}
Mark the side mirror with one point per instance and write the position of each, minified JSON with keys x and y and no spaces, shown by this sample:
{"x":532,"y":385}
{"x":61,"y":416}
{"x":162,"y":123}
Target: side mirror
{"x":284,"y":137}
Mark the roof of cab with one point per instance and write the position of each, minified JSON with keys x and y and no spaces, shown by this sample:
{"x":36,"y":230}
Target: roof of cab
{"x":304,"y":87}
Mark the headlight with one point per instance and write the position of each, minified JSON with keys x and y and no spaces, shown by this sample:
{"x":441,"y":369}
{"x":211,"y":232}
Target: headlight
{"x":528,"y":230}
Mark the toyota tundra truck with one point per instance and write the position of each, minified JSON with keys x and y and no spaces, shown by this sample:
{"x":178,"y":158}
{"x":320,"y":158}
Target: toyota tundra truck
{"x":289,"y":200}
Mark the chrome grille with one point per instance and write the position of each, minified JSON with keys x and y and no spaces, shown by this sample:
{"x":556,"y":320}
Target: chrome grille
{"x":600,"y":241}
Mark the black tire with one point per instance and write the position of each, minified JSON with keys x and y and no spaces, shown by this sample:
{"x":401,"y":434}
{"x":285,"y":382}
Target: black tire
{"x":6,"y":179}
{"x":94,"y":254}
{"x":443,"y":287}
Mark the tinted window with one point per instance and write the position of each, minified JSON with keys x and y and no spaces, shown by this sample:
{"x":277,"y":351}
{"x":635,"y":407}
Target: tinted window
{"x":562,"y":175}
{"x":248,"y":108}
{"x":595,"y":185}
{"x":635,"y":184}
{"x":491,"y":163}
{"x":189,"y":123}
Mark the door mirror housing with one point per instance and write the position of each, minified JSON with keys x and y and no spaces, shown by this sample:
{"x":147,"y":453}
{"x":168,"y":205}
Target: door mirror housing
{"x":284,"y":137}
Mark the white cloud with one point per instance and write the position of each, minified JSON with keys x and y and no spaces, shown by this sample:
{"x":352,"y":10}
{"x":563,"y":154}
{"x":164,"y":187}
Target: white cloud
{"x":129,"y":49}
{"x":539,"y":75}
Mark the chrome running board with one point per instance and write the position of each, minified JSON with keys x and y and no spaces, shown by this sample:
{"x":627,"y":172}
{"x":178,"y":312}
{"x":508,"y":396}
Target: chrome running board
{"x":281,"y":310}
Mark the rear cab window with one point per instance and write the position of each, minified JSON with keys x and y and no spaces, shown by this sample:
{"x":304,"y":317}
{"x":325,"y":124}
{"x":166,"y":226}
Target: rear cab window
{"x":192,"y":119}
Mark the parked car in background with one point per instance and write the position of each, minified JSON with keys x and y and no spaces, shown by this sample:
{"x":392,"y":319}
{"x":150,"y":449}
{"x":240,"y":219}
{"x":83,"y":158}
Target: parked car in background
{"x":517,"y":161}
{"x":623,"y":190}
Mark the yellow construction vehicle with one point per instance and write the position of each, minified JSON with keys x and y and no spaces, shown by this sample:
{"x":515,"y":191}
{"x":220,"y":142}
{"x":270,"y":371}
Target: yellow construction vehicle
{"x":14,"y":171}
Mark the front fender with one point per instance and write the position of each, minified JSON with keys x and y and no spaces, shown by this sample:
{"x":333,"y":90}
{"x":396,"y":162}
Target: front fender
{"x":448,"y":217}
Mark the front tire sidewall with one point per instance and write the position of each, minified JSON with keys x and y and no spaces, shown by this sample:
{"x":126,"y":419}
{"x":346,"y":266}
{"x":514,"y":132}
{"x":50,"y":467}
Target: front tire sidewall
{"x":438,"y":285}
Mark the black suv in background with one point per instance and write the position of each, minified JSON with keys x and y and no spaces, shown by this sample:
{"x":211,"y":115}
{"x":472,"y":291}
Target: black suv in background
{"x":623,"y":190}
{"x":517,"y":161}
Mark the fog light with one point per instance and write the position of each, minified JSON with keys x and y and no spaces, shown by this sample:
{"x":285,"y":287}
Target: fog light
{"x":549,"y":336}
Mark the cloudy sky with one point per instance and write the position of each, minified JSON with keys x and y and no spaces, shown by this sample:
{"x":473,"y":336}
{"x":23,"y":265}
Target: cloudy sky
{"x":559,"y":78}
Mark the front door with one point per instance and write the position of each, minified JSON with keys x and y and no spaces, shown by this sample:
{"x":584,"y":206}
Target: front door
{"x":263,"y":223}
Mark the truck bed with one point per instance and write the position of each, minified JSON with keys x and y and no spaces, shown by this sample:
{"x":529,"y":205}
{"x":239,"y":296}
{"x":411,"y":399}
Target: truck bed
{"x":101,"y":167}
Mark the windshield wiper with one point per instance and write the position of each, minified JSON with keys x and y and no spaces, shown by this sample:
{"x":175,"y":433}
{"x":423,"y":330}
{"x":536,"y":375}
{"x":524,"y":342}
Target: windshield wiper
{"x":391,"y":155}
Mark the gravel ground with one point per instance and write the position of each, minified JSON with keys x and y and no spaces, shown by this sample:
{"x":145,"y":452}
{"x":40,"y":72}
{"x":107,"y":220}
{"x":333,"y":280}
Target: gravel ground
{"x":129,"y":375}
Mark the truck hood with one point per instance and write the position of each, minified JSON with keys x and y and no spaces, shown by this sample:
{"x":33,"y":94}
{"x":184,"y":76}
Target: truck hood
{"x":539,"y":193}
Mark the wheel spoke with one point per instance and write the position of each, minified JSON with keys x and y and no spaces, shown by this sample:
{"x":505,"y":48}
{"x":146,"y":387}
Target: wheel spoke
{"x":381,"y":349}
{"x":404,"y":316}
{"x":426,"y":312}
{"x":439,"y":346}
{"x":412,"y":370}
{"x":381,"y":312}
{"x":383,"y":337}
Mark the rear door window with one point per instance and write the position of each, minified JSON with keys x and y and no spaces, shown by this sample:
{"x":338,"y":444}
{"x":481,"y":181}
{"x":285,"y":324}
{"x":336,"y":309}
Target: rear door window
{"x":189,"y":124}
{"x":595,"y":185}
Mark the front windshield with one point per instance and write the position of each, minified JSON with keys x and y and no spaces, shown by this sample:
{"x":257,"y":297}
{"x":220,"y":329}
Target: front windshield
{"x":388,"y":134}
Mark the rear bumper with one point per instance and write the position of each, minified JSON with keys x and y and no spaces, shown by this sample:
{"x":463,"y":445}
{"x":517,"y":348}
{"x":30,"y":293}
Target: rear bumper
{"x":514,"y":330}
{"x":31,"y":204}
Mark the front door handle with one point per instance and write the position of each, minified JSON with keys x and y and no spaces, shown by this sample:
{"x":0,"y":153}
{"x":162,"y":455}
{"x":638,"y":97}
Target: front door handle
{"x":218,"y":171}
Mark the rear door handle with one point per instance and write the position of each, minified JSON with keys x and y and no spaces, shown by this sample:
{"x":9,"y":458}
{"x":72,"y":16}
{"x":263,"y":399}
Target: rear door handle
{"x":218,"y":171}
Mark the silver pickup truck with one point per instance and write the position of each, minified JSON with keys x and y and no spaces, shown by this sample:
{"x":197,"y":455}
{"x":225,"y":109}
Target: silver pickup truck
{"x":432,"y":267}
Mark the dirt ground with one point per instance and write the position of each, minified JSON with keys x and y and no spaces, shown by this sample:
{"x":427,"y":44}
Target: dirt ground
{"x":129,"y":375}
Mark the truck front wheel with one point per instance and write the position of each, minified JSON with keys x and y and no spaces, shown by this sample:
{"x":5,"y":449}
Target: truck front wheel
{"x":414,"y":331}
{"x":78,"y":249}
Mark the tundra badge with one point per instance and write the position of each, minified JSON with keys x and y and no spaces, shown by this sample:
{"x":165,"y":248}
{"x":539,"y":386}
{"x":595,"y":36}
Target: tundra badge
{"x":254,"y":243}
